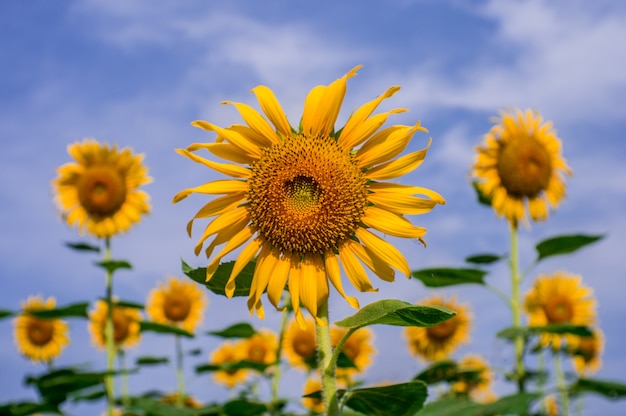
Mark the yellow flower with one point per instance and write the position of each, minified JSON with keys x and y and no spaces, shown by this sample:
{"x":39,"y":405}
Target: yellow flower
{"x":559,"y":299}
{"x":305,"y":201}
{"x":260,"y":347}
{"x":439,"y":341}
{"x":315,"y":405}
{"x":227,"y":353}
{"x":300,"y":344}
{"x":586,"y":352}
{"x":188,"y":402}
{"x":358,"y":348}
{"x":126,"y":331}
{"x":179,"y":302}
{"x":520,"y":163}
{"x":478,"y":388}
{"x":551,"y":406}
{"x":39,"y":339}
{"x":98,"y":194}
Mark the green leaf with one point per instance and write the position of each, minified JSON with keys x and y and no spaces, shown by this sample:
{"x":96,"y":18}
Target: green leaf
{"x":438,"y":372}
{"x":163,"y":329}
{"x":238,"y":330}
{"x":484,"y":258}
{"x":480,"y":196}
{"x":112,"y":265}
{"x":5,"y":314}
{"x":56,"y":386}
{"x":218,"y":281}
{"x":609,"y":389}
{"x":75,"y":310}
{"x":194,"y":352}
{"x":146,"y":360}
{"x":397,"y":399}
{"x":83,"y":247}
{"x":560,"y":329}
{"x":239,"y":365}
{"x":397,"y":313}
{"x":156,"y":407}
{"x":443,"y":276}
{"x":516,"y":404}
{"x":127,"y":304}
{"x":27,"y":408}
{"x":241,"y":407}
{"x":564,"y":244}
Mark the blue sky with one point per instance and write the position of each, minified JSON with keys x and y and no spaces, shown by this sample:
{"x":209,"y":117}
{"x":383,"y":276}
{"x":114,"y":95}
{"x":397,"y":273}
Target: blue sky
{"x":137,"y":73}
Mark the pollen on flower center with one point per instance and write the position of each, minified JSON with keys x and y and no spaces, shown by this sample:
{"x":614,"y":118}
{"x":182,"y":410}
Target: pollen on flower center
{"x":306,"y":194}
{"x":524,"y":167}
{"x":40,"y":332}
{"x":101,"y":191}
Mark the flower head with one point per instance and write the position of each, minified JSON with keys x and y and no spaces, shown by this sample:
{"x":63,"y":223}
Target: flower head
{"x":439,"y":341}
{"x":98,"y":193}
{"x":478,"y":384}
{"x":358,"y":348}
{"x":315,"y":405}
{"x":259,"y":348}
{"x":586,"y":352}
{"x":179,"y":302}
{"x":228,"y":353}
{"x":559,"y":299}
{"x":300,"y":344}
{"x":39,"y":339}
{"x":126,"y":329}
{"x":306,"y":200}
{"x":520,"y":164}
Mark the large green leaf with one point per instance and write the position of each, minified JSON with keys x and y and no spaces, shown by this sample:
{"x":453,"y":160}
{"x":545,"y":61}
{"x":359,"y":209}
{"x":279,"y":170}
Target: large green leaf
{"x":241,"y":407}
{"x":398,"y":399}
{"x":397,"y":313}
{"x":444,"y":276}
{"x":484,"y":258}
{"x":609,"y":389}
{"x":27,"y":408}
{"x":155,"y":407}
{"x":438,"y":372}
{"x":56,"y":386}
{"x":148,"y":326}
{"x":5,"y":313}
{"x":238,"y":330}
{"x":564,"y":244}
{"x":560,"y":329}
{"x":112,"y":265}
{"x":75,"y":310}
{"x":239,"y":365}
{"x":80,"y":246}
{"x":509,"y":405}
{"x":218,"y":281}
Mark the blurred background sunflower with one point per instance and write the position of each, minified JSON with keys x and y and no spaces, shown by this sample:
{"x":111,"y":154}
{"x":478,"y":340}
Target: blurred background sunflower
{"x":126,"y":328}
{"x":178,"y":302}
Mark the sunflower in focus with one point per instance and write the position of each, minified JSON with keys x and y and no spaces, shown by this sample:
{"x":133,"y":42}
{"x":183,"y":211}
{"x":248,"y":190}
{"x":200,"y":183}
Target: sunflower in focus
{"x":439,"y":341}
{"x":520,"y":167}
{"x":477,"y":384}
{"x":259,"y":348}
{"x":98,"y":193}
{"x":358,"y":348}
{"x":179,"y":302}
{"x":305,"y":201}
{"x":586,"y":352}
{"x":39,"y":339}
{"x":228,"y":353}
{"x":559,"y":299}
{"x":126,"y":329}
{"x":300,"y":344}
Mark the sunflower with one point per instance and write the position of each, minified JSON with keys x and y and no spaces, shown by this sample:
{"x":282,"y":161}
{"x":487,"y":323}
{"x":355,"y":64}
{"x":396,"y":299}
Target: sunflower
{"x":39,"y":339}
{"x":228,"y":353}
{"x":126,"y":330}
{"x":179,"y":302}
{"x":520,"y":164}
{"x":303,"y":201}
{"x":586,"y":352}
{"x":260,"y":347}
{"x":357,"y":348}
{"x":478,"y":385}
{"x":300,"y":344}
{"x":439,"y":341}
{"x":315,"y":405}
{"x":188,"y":402}
{"x":559,"y":299}
{"x":551,"y":406}
{"x":98,"y":194}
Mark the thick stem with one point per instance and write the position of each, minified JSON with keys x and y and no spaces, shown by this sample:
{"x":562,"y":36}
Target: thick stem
{"x":560,"y":383}
{"x":109,"y":331}
{"x":326,"y":363}
{"x":179,"y":373}
{"x":516,"y":309}
{"x":276,"y":367}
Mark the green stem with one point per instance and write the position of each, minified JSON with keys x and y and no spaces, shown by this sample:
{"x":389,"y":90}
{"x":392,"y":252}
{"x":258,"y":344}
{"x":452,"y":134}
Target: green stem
{"x":277,"y":374}
{"x":560,"y":383}
{"x":500,"y":293}
{"x":516,"y":309}
{"x":179,"y":372}
{"x":109,"y":331}
{"x":326,"y":363}
{"x":341,"y":343}
{"x":124,"y":382}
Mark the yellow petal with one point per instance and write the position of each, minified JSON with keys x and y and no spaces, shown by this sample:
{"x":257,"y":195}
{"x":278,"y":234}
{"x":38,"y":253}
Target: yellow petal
{"x":226,"y":235}
{"x":390,"y":223}
{"x":334,"y":274}
{"x":215,"y":187}
{"x":280,"y":272}
{"x":311,"y":103}
{"x":398,"y":167}
{"x":225,"y":151}
{"x":217,"y":206}
{"x":256,"y":122}
{"x":223,"y":222}
{"x":308,"y":285}
{"x":386,"y":251}
{"x":401,"y":204}
{"x":322,"y":280}
{"x":354,"y":270}
{"x":246,"y":255}
{"x":368,"y":127}
{"x":233,"y":243}
{"x":405,"y":190}
{"x":272,"y":109}
{"x":295,"y":282}
{"x":383,"y":148}
{"x":235,"y":171}
{"x":260,"y":279}
{"x":235,"y":138}
{"x":375,"y":264}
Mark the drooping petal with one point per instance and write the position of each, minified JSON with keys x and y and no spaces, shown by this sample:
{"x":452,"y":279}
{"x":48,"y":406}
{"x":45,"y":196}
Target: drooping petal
{"x":401,"y":204}
{"x":390,"y":223}
{"x":216,"y":207}
{"x":256,"y":122}
{"x":223,"y":222}
{"x":295,"y":283}
{"x":398,"y":167}
{"x":375,"y":264}
{"x":386,"y":251}
{"x":235,"y":138}
{"x":308,"y":285}
{"x":280,"y":273}
{"x":354,"y":270}
{"x":389,"y":187}
{"x":215,"y":187}
{"x":334,"y":274}
{"x":272,"y":109}
{"x":225,"y":151}
{"x":261,"y":277}
{"x":233,"y":243}
{"x":246,"y":255}
{"x":235,"y":171}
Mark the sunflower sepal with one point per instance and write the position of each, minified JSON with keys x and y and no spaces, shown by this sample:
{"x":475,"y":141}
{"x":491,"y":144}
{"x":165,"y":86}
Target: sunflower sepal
{"x":448,"y":276}
{"x":564,"y":244}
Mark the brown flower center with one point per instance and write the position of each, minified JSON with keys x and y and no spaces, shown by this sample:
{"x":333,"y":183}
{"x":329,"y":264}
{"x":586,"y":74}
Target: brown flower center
{"x":442,"y":331}
{"x":257,"y":353}
{"x":559,"y":310}
{"x":304,"y":345}
{"x":306,"y":194}
{"x":40,"y":331}
{"x":101,"y":191}
{"x":524,"y":167}
{"x":588,"y":348}
{"x":121,"y":326}
{"x":176,"y":307}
